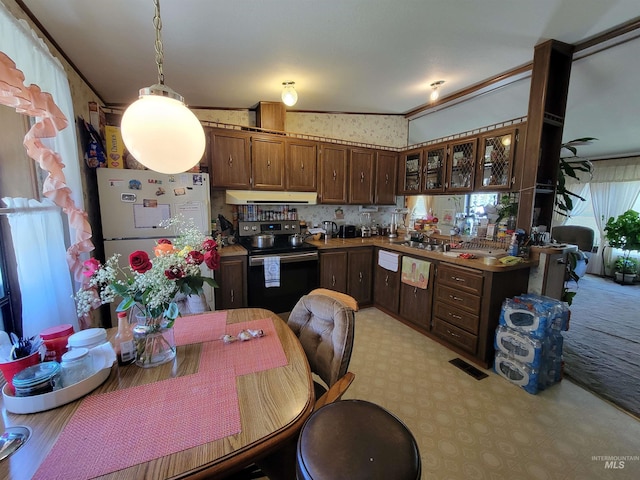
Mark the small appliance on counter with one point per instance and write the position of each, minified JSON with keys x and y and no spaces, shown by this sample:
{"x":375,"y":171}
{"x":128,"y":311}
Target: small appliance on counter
{"x":347,"y":231}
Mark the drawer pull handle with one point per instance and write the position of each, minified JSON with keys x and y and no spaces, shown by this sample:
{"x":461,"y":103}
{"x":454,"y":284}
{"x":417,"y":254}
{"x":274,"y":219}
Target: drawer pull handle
{"x":457,"y":299}
{"x":457,"y":279}
{"x":457,"y":317}
{"x":454,"y":335}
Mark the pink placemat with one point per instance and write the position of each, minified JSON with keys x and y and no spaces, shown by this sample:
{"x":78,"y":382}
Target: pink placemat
{"x":120,"y":429}
{"x":200,"y":328}
{"x":251,"y":356}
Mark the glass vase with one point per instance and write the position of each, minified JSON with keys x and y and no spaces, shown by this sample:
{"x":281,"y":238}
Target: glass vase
{"x":154,"y":340}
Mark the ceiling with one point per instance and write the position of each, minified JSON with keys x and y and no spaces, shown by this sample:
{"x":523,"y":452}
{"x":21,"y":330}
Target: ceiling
{"x":355,"y":56}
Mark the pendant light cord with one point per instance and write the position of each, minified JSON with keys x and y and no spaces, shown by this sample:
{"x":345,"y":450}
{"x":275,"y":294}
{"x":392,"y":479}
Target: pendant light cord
{"x":157,"y":23}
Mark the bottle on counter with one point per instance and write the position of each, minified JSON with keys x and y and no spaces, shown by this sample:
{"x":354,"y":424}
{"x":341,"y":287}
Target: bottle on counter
{"x":123,"y":341}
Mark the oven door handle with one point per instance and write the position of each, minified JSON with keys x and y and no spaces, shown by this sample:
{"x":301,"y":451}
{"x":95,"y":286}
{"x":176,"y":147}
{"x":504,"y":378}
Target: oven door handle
{"x":257,"y":260}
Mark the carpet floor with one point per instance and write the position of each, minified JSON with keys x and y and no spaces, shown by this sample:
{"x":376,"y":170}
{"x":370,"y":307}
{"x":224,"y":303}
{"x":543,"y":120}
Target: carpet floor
{"x":602,"y":347}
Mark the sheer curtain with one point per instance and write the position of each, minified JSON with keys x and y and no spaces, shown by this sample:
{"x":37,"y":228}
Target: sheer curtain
{"x":55,"y":148}
{"x":579,"y":206}
{"x":614,"y":189}
{"x":41,"y":255}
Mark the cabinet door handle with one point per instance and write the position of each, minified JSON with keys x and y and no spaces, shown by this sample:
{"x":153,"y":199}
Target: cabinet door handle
{"x":230,"y":161}
{"x":268,"y":163}
{"x":302,"y":166}
{"x":457,"y":299}
{"x":333,"y":280}
{"x":335,"y":175}
{"x":360,"y":276}
{"x":415,"y":291}
{"x":458,"y":279}
{"x":361,"y":177}
{"x":454,"y":335}
{"x":386,"y":280}
{"x":453,"y":315}
{"x":386,"y":179}
{"x":232,"y":295}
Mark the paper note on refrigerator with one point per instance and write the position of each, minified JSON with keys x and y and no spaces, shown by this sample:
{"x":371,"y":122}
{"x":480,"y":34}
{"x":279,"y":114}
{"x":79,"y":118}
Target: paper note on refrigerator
{"x":150,"y":217}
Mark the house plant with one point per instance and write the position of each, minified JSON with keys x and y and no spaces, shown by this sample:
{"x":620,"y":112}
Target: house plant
{"x":626,"y":269}
{"x":148,"y":287}
{"x":623,"y":232}
{"x":564,"y":197}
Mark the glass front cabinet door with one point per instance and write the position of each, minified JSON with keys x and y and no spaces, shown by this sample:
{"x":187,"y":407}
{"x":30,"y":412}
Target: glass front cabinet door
{"x":410,"y":178}
{"x":434,"y":169}
{"x":461,"y":166}
{"x":495,"y":161}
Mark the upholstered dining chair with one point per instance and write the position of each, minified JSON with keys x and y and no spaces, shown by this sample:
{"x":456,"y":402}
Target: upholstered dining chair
{"x":324,"y":322}
{"x":325,"y":327}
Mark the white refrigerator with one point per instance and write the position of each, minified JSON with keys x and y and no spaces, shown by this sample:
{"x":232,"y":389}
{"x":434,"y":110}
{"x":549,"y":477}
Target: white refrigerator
{"x":134,"y":202}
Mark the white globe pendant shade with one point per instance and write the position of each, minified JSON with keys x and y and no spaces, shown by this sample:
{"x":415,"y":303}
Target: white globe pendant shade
{"x":289,"y":94}
{"x":162,"y":133}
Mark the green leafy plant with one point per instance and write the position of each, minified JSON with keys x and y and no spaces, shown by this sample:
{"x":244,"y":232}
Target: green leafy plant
{"x":564,"y":197}
{"x":623,"y":232}
{"x":626,"y":265}
{"x":506,"y":208}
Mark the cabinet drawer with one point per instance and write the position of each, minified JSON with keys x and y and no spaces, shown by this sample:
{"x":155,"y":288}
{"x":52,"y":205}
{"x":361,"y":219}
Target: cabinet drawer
{"x":457,"y":317}
{"x":458,"y":298}
{"x":455,"y":336}
{"x":465,"y":279}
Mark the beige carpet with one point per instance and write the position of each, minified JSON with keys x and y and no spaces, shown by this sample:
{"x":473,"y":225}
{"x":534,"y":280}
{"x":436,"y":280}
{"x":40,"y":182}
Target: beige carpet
{"x":602,"y":347}
{"x":490,"y":428}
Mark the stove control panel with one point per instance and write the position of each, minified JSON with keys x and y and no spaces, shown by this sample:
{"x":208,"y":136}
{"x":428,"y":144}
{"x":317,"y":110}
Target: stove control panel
{"x":283,"y":227}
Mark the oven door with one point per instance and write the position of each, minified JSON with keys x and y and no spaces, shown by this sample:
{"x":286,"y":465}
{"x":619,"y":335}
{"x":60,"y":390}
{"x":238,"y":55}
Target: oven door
{"x":298,"y":276}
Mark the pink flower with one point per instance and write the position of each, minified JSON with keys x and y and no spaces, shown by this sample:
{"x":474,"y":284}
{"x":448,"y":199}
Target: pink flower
{"x":90,"y":267}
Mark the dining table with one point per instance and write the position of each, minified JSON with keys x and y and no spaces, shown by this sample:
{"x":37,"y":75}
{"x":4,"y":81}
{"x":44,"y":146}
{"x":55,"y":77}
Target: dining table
{"x":216,"y":408}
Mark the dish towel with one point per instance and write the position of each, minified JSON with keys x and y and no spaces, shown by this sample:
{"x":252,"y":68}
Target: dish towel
{"x":388,"y":260}
{"x":272,"y":272}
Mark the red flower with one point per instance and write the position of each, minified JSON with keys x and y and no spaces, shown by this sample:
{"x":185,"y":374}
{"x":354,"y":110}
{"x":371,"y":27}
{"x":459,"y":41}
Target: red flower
{"x":164,"y":240}
{"x":209,"y":245}
{"x":194,"y":257}
{"x":212,"y":259}
{"x":139,"y":261}
{"x":174,"y":273}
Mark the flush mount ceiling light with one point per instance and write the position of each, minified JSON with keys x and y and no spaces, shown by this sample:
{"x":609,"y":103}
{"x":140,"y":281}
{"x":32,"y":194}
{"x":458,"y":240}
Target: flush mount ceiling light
{"x":158,"y":129}
{"x":435,"y":94}
{"x":289,"y":94}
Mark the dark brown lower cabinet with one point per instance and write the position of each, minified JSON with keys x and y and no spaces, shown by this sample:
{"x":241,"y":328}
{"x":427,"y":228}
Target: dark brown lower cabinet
{"x":415,"y":303}
{"x":232,"y":283}
{"x":333,"y":270}
{"x":360,"y":278}
{"x":386,"y":289}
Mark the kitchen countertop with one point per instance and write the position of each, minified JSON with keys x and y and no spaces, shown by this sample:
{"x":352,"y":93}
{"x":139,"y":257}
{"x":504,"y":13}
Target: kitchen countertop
{"x":232,"y":251}
{"x":396,"y":245}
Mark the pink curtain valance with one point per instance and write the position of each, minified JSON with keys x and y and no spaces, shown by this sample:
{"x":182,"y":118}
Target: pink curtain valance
{"x":50,"y":119}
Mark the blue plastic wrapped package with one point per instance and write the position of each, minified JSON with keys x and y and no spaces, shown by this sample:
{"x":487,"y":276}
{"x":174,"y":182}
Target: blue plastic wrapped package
{"x":534,"y":315}
{"x":517,"y":373}
{"x":550,"y":372}
{"x":521,"y":347}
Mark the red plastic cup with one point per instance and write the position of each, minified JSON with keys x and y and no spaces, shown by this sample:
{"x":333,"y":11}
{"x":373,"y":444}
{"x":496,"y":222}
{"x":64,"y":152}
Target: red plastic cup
{"x":9,"y":369}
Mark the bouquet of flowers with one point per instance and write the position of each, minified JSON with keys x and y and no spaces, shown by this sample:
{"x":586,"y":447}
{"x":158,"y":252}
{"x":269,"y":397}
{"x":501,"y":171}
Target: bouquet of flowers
{"x":152,"y":284}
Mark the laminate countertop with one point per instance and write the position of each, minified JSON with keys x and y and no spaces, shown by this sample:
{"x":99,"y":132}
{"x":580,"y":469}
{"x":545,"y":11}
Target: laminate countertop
{"x":396,"y":246}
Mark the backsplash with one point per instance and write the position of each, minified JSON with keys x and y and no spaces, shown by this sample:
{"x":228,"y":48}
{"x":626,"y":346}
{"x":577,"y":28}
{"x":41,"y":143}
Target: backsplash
{"x":314,"y":215}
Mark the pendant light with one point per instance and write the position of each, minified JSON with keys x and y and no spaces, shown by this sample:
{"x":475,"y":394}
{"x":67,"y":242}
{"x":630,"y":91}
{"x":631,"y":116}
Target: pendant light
{"x":289,"y":94}
{"x":435,"y":94}
{"x":158,"y":129}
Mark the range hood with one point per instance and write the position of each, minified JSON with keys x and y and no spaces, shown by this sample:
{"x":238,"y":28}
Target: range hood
{"x":247,"y":197}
